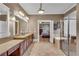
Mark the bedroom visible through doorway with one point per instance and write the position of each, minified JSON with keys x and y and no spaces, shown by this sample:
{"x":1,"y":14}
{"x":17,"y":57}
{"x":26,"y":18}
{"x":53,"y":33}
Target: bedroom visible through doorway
{"x":44,"y":31}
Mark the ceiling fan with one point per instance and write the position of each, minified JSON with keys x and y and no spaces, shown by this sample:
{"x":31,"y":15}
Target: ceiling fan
{"x":41,"y":11}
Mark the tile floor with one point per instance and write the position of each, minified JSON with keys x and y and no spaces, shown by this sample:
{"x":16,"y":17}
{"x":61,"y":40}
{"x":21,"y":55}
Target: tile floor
{"x":72,"y":48}
{"x":43,"y":49}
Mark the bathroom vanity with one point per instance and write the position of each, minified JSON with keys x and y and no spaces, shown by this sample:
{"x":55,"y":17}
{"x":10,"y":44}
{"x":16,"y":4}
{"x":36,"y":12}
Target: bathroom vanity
{"x":17,"y":46}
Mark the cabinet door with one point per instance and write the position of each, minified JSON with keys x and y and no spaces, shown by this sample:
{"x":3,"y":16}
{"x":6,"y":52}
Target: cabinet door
{"x":10,"y":51}
{"x":22,"y":47}
{"x":25,"y":45}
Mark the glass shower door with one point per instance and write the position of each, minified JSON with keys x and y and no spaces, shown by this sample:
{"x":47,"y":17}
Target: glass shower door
{"x":68,"y":44}
{"x":64,"y":41}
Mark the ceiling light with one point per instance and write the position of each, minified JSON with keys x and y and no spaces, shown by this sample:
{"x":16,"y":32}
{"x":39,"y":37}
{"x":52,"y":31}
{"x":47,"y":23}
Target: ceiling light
{"x":40,"y":11}
{"x":27,"y":18}
{"x":21,"y":13}
{"x":13,"y":19}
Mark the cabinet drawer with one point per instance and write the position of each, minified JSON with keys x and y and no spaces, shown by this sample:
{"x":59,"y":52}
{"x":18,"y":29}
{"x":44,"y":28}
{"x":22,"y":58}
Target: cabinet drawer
{"x":13,"y":49}
{"x":23,"y":47}
{"x":27,"y":43}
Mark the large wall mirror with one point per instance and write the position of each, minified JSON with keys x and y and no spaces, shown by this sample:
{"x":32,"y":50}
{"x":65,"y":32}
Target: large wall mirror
{"x":17,"y":24}
{"x":4,"y":17}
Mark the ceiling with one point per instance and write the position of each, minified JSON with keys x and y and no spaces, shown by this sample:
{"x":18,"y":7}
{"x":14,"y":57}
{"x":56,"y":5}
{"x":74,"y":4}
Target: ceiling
{"x":3,"y":9}
{"x":50,"y":8}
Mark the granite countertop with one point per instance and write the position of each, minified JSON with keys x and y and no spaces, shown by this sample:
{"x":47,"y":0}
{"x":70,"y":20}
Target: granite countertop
{"x":3,"y":40}
{"x":22,"y":36}
{"x":7,"y":45}
{"x":9,"y":42}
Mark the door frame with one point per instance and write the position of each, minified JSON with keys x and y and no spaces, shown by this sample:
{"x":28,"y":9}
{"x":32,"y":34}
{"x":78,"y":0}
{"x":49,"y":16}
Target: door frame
{"x":17,"y":30}
{"x":51,"y":29}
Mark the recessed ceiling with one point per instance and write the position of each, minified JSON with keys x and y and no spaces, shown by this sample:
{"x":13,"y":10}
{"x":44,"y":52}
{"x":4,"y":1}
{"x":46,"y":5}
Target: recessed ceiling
{"x":50,"y":8}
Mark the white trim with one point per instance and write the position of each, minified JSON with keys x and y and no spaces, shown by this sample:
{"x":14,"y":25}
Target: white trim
{"x":4,"y":6}
{"x":51,"y":30}
{"x":8,"y":18}
{"x":21,"y":17}
{"x":70,"y":8}
{"x":7,"y":33}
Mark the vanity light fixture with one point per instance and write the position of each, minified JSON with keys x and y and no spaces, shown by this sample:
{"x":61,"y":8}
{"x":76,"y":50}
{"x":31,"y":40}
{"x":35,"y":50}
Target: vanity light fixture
{"x":40,"y":11}
{"x":13,"y":19}
{"x":21,"y":13}
{"x":27,"y":18}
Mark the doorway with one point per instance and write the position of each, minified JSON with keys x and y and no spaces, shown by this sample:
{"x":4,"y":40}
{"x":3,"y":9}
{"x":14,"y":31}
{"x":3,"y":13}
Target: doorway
{"x":44,"y":31}
{"x":17,"y":29}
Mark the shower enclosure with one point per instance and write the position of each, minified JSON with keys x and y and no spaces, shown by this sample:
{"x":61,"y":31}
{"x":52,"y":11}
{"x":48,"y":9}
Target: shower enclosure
{"x":68,"y":44}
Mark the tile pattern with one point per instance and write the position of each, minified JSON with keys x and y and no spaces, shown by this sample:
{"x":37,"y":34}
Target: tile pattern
{"x":72,"y":48}
{"x":44,"y":39}
{"x":43,"y":49}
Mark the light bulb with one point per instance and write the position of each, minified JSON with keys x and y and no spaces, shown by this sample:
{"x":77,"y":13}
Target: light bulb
{"x":41,"y":11}
{"x":27,"y":18}
{"x":21,"y":13}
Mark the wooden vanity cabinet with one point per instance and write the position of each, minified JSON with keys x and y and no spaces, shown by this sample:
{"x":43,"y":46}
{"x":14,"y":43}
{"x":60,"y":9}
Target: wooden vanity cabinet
{"x":3,"y":54}
{"x":14,"y":51}
{"x":27,"y":43}
{"x":29,"y":40}
{"x":25,"y":47}
{"x":22,"y":47}
{"x":19,"y":48}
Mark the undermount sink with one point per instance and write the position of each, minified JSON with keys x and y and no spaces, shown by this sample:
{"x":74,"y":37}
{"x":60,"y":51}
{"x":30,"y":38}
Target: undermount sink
{"x":22,"y":36}
{"x":24,"y":33}
{"x":19,"y":36}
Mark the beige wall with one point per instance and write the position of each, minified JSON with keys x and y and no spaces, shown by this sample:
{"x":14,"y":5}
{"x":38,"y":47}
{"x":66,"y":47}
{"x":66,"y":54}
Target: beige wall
{"x":33,"y":21}
{"x":23,"y":26}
